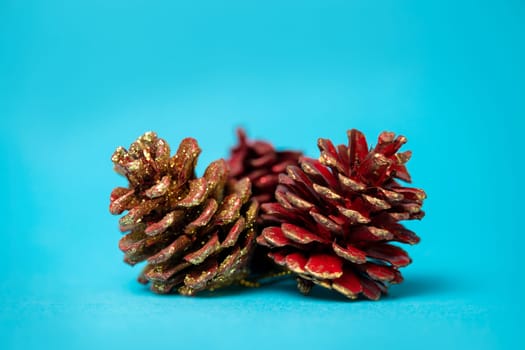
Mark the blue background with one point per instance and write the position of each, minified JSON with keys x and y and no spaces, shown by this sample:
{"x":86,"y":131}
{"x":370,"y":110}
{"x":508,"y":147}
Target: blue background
{"x":78,"y":78}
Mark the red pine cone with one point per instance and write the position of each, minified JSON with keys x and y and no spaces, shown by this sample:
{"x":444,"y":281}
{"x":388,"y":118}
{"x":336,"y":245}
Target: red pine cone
{"x":261,"y":163}
{"x":337,"y":216}
{"x":194,"y":233}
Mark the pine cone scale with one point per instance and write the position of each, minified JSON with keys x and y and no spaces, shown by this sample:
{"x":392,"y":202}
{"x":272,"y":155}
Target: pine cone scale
{"x":324,"y":266}
{"x":176,"y":247}
{"x":210,"y":247}
{"x":390,"y":254}
{"x":350,"y":253}
{"x":158,"y":189}
{"x":185,"y":160}
{"x":166,"y":273}
{"x":371,"y":289}
{"x":348,"y":284}
{"x":209,"y":209}
{"x":121,"y":199}
{"x":233,"y":234}
{"x":296,"y":262}
{"x":196,"y":194}
{"x":300,"y":235}
{"x":162,"y":225}
{"x":197,"y":279}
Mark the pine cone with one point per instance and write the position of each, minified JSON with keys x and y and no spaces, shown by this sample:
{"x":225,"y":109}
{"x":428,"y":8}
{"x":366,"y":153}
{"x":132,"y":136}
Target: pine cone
{"x":261,"y":163}
{"x":194,"y":233}
{"x":335,"y":217}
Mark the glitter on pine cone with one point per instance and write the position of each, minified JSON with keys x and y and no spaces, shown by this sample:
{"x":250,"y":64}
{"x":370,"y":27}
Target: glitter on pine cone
{"x":194,"y":233}
{"x":261,"y":163}
{"x":335,"y":218}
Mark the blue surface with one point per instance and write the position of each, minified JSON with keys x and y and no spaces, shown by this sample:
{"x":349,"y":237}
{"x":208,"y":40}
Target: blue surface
{"x":78,"y":78}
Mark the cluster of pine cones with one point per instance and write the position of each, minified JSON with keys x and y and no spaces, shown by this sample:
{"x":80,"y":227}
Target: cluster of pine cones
{"x":329,"y":221}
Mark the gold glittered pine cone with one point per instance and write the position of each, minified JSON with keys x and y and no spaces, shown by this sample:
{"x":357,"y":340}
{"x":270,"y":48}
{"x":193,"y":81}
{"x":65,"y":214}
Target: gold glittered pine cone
{"x":195,"y":233}
{"x":336,"y":218}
